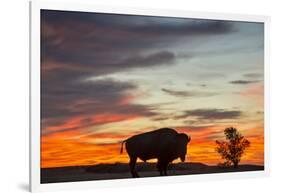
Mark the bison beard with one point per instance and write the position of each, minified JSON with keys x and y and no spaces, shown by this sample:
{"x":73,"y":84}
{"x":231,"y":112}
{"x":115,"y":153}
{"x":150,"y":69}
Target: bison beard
{"x":163,"y":144}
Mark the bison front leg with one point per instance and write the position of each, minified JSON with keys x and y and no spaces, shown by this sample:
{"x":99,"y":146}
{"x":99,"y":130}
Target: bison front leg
{"x":132,"y":164}
{"x":165,"y":165}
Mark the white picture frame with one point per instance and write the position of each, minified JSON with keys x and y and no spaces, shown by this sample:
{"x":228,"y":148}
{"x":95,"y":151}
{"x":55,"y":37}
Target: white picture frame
{"x":36,"y":6}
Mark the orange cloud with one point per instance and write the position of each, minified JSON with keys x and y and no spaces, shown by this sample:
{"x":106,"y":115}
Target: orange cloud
{"x":79,"y":121}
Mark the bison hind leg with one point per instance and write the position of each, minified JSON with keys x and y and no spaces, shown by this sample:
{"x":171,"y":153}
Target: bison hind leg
{"x":132,"y":164}
{"x":165,"y":167}
{"x":160,"y":167}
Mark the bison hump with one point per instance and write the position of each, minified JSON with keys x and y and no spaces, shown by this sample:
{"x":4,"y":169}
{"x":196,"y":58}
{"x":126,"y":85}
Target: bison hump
{"x":165,"y":130}
{"x":149,"y":144}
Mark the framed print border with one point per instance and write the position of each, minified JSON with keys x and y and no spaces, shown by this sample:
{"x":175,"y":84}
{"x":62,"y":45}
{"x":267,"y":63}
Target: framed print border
{"x":36,"y":6}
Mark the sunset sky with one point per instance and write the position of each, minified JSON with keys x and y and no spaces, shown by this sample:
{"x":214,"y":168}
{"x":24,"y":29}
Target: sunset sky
{"x":106,"y":77}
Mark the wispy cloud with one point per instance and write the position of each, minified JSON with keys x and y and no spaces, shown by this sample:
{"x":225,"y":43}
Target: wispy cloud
{"x":210,"y":114}
{"x":253,"y":75}
{"x":188,"y":93}
{"x":243,"y":82}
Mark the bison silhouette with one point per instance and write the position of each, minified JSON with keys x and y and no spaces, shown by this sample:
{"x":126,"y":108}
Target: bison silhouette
{"x":163,"y":144}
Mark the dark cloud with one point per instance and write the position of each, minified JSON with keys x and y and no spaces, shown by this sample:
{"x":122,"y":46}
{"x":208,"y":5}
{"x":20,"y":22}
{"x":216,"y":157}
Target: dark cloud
{"x":67,"y":100}
{"x":244,"y":81}
{"x":135,"y":61}
{"x":112,"y":42}
{"x":139,"y":24}
{"x":58,"y":98}
{"x":211,"y":114}
{"x":188,"y":93}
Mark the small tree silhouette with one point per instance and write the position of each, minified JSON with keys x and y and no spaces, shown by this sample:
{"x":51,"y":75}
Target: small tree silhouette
{"x":232,"y":149}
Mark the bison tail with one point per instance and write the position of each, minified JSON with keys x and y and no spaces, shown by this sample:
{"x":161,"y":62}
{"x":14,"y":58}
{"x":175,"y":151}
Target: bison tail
{"x":121,"y":150}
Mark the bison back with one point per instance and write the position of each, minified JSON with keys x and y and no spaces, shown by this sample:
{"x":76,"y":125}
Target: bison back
{"x":151,"y":144}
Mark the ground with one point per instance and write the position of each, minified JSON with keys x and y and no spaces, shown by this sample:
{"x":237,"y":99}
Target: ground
{"x":121,"y":171}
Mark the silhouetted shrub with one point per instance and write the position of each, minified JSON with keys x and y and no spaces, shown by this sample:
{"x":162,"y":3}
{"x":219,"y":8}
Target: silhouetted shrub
{"x":233,"y":148}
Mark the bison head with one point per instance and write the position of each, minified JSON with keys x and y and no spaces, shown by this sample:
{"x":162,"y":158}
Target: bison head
{"x":182,"y":141}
